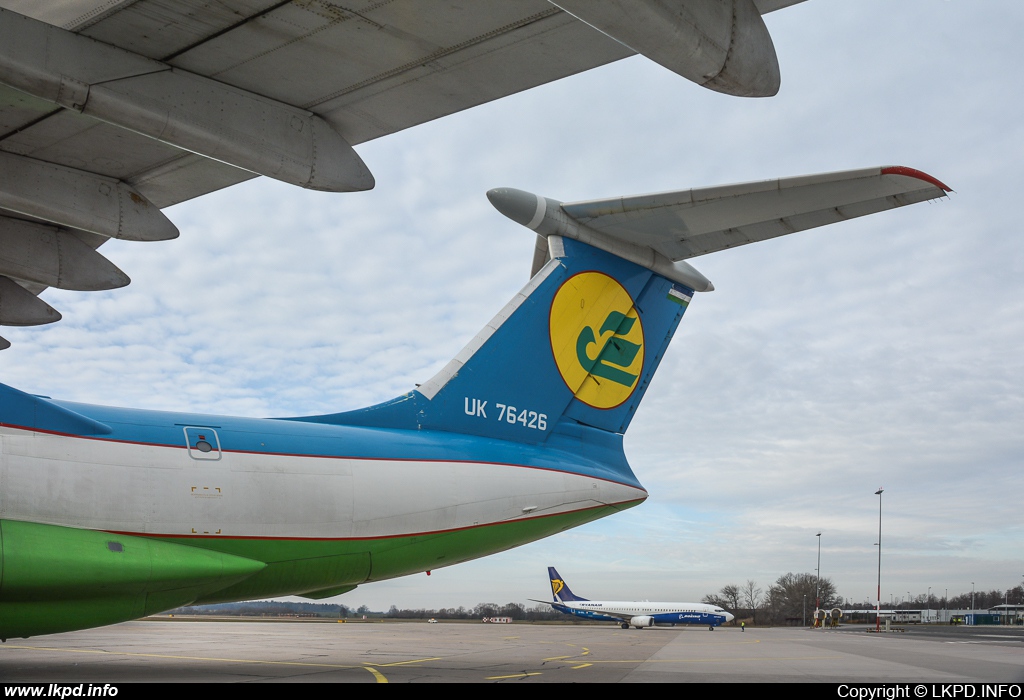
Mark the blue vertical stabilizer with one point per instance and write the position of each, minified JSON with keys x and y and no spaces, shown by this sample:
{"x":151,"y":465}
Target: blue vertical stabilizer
{"x":560,"y":589}
{"x":568,"y":360}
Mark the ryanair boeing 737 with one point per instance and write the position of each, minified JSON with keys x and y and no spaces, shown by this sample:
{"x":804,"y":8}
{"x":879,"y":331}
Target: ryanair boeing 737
{"x":109,"y":514}
{"x":639,"y":614}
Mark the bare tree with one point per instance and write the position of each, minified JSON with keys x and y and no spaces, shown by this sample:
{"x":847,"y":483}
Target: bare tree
{"x":752,"y":599}
{"x":716,"y":600}
{"x":732,"y":594}
{"x":728,"y":598}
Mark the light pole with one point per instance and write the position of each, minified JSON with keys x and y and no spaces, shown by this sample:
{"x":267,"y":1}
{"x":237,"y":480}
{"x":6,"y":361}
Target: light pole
{"x":817,"y":584}
{"x":972,"y":596}
{"x":878,"y":600}
{"x":929,"y":601}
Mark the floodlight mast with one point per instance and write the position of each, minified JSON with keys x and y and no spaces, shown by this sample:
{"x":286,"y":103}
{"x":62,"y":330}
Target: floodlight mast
{"x":878,"y":600}
{"x":817,"y":583}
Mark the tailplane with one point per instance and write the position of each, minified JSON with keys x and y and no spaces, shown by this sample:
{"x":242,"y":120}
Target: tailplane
{"x":574,"y":351}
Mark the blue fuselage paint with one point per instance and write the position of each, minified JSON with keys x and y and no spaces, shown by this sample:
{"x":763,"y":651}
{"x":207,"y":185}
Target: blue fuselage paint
{"x":290,"y":437}
{"x":689,"y":618}
{"x":585,"y":614}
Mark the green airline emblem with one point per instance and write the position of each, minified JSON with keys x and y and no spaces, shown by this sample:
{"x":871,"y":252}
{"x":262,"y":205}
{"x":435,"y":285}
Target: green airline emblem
{"x":617,"y":350}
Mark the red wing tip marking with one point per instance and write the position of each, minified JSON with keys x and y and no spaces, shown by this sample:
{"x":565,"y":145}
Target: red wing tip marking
{"x":910,"y":172}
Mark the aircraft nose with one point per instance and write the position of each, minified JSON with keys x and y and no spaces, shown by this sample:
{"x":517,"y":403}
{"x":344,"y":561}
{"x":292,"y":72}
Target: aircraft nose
{"x":729,"y":617}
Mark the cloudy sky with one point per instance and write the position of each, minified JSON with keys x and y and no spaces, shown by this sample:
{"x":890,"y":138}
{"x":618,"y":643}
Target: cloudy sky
{"x":886,"y":351}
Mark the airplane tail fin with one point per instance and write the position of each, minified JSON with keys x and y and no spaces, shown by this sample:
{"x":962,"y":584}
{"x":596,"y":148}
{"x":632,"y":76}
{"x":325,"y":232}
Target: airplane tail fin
{"x":571,"y":354}
{"x":559,"y":588}
{"x":568,"y":360}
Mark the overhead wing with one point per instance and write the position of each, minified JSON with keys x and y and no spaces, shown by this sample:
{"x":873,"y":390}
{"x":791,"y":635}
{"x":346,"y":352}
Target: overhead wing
{"x":676,"y":226}
{"x":111,"y":110}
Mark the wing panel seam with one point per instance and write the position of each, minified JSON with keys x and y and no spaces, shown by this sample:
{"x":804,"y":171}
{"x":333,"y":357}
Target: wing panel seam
{"x":439,"y":54}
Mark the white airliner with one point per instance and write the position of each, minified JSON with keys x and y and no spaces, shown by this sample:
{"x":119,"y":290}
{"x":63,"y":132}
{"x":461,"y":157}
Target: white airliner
{"x":640,"y":614}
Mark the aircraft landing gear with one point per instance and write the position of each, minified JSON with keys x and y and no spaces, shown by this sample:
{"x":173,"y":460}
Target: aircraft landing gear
{"x":625,"y":625}
{"x":711,"y":627}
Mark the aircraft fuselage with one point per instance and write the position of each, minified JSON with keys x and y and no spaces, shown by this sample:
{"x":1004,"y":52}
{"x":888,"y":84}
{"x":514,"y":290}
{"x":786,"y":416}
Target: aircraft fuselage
{"x":324,"y":507}
{"x":660,"y":613}
{"x":318,"y":488}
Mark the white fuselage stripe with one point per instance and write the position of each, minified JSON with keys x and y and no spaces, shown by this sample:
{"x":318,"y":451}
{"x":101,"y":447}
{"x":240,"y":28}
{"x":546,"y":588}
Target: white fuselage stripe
{"x":157,"y":489}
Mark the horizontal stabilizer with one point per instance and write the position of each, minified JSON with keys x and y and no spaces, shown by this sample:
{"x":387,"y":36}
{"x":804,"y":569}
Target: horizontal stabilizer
{"x":689,"y":223}
{"x":676,"y":226}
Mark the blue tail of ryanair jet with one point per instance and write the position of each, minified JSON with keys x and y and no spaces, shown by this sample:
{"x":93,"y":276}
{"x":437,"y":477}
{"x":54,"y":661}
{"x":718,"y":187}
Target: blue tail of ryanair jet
{"x":572,"y":354}
{"x":560,"y":589}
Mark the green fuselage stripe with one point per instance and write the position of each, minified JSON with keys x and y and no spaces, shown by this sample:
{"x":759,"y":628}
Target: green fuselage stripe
{"x":296,"y":566}
{"x":293,"y":566}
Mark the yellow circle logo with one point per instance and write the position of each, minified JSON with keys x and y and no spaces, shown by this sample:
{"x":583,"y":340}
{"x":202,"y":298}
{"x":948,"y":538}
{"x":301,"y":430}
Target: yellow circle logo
{"x":597,"y":339}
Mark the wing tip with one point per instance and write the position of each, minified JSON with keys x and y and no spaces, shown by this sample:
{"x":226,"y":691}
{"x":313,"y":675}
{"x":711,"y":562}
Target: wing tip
{"x":911,"y":172}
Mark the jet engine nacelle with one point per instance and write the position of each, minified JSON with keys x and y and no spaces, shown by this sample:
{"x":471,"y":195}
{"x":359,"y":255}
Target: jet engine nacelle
{"x":641,"y":621}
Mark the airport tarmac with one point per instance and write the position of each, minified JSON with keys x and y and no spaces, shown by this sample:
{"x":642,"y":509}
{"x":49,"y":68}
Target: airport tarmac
{"x":182,"y":651}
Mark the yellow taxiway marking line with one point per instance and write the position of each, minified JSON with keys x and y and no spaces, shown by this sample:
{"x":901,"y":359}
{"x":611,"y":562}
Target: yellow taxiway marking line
{"x":514,"y":675}
{"x":556,"y":658}
{"x":705,"y":661}
{"x":585,"y":652}
{"x":413,"y":661}
{"x":729,"y":642}
{"x":306,"y":664}
{"x":582,"y":666}
{"x":376,"y":674}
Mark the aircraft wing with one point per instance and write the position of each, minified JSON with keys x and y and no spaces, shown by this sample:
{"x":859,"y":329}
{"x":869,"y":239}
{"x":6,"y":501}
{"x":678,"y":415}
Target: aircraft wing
{"x":689,"y":223}
{"x":111,"y":110}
